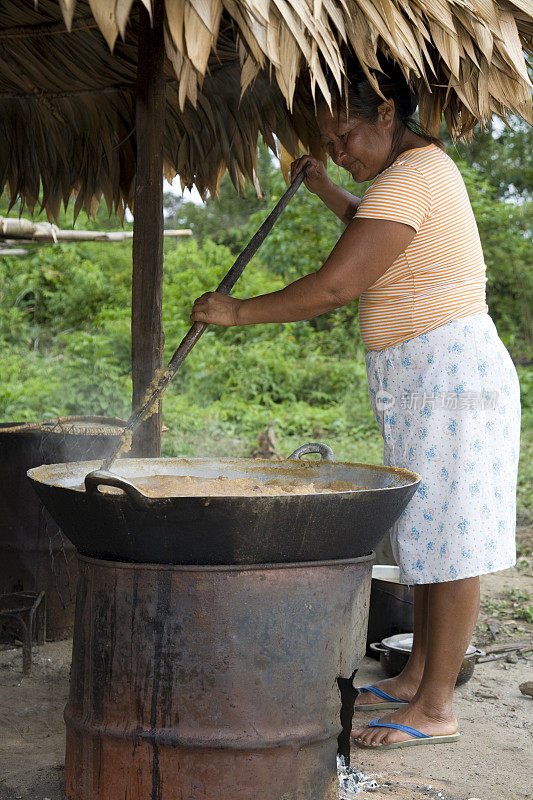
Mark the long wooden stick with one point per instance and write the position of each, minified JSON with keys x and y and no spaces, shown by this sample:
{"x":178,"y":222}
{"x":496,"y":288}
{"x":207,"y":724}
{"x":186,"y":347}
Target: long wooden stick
{"x":159,"y":385}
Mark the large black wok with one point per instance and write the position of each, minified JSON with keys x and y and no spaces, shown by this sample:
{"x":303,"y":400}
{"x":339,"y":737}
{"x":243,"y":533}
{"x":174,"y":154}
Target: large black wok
{"x":225,"y":530}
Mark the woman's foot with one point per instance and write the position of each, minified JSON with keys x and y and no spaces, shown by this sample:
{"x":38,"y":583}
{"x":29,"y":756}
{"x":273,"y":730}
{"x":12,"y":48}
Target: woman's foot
{"x":433,"y":722}
{"x":399,"y":687}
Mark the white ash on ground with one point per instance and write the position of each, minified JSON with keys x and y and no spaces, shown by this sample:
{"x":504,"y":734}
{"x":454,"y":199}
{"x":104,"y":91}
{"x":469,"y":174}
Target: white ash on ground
{"x":352,"y":782}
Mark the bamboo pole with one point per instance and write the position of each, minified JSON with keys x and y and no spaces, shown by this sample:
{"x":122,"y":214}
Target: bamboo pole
{"x":24,"y":230}
{"x":147,"y":289}
{"x":13,"y":251}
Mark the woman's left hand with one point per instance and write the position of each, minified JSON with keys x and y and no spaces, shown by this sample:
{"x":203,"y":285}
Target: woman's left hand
{"x":214,"y":308}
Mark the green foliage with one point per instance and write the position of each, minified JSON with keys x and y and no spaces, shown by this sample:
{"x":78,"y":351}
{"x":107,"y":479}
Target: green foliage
{"x":503,"y":156}
{"x":222,"y":219}
{"x":65,"y":332}
{"x":525,"y":472}
{"x":513,"y":603}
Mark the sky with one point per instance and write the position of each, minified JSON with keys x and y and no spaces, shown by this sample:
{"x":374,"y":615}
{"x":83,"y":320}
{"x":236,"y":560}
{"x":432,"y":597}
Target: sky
{"x":175,"y":188}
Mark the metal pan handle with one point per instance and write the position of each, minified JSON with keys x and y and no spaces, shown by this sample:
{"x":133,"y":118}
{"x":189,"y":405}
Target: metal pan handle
{"x":314,"y":447}
{"x":101,"y":477}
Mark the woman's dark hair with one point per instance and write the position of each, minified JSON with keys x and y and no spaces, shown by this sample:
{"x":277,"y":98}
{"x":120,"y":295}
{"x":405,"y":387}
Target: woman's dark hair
{"x":361,"y":100}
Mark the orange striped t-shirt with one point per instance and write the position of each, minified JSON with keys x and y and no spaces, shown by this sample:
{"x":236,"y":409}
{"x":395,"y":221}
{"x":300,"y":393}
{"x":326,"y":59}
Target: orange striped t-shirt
{"x":441,"y":275}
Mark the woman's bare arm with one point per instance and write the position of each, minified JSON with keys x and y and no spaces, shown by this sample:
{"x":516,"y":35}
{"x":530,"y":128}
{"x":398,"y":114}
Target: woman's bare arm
{"x":339,"y":200}
{"x":362,"y":255}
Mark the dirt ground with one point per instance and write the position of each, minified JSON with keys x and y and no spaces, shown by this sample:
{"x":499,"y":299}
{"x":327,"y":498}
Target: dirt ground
{"x":493,"y":760}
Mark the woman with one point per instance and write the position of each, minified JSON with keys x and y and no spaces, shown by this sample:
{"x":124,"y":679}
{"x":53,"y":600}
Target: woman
{"x":442,"y":385}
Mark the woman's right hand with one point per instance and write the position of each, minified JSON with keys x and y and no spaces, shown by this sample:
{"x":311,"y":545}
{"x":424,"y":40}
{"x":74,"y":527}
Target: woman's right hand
{"x":316,"y":177}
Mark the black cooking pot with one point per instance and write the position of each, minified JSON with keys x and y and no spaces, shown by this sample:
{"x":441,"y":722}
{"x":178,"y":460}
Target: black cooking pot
{"x":391,"y":606}
{"x":394,"y":653}
{"x":130,"y":526}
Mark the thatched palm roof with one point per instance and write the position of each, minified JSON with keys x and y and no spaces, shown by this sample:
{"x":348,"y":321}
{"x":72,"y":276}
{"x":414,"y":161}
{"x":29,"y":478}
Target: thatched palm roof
{"x":234,"y":68}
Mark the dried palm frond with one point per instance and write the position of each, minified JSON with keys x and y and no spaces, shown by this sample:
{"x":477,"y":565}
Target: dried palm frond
{"x":235,"y":68}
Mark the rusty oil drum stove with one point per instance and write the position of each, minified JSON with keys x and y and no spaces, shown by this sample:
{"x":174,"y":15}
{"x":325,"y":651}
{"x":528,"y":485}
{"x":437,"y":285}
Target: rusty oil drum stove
{"x":219,"y":680}
{"x":211,"y":682}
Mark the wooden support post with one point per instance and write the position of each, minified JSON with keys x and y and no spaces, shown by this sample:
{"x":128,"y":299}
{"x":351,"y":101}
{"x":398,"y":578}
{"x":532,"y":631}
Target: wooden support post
{"x":147,"y":291}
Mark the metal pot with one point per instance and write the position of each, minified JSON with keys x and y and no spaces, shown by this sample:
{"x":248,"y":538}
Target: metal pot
{"x":391,"y":605}
{"x":394,"y":653}
{"x":131,"y":526}
{"x":34,"y":555}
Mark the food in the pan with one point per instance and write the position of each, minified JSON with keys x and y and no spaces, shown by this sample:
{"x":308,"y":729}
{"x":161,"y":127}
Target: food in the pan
{"x":189,"y":486}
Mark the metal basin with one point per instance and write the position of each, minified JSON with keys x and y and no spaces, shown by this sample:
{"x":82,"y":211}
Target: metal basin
{"x":394,"y":653}
{"x":131,"y":526}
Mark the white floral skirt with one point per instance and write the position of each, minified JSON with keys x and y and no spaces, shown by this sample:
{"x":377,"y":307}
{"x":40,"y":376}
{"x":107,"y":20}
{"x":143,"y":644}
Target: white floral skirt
{"x":448,"y":407}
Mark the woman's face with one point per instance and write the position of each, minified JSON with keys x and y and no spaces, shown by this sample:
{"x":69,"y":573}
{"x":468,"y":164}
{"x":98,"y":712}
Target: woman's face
{"x":361,"y":147}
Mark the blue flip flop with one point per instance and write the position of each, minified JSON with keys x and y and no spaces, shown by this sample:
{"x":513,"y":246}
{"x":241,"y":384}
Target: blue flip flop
{"x":390,"y":702}
{"x":418,"y":737}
